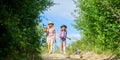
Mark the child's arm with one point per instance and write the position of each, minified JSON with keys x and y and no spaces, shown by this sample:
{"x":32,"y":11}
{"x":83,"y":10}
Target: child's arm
{"x":54,"y":32}
{"x":60,"y":35}
{"x":46,"y":30}
{"x":68,"y":38}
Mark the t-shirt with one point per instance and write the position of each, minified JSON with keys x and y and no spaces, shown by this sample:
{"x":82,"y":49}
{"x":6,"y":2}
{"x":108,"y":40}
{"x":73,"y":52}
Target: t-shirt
{"x":51,"y":34}
{"x":63,"y":34}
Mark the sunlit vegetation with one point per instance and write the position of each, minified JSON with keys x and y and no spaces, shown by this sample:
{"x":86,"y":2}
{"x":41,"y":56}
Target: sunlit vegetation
{"x":99,"y":24}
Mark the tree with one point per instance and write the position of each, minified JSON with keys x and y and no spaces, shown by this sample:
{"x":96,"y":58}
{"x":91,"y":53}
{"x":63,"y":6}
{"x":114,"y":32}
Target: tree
{"x":19,"y":35}
{"x":99,"y":22}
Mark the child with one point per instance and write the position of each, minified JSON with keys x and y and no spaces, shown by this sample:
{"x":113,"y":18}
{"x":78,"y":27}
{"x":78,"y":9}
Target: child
{"x":51,"y":36}
{"x":63,"y":36}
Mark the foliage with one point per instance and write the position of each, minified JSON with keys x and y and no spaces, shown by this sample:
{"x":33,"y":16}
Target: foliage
{"x":99,"y":23}
{"x":19,"y":35}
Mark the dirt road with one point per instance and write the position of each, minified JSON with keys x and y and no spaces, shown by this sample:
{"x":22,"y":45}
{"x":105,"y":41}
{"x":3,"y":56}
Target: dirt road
{"x":86,"y":56}
{"x":58,"y":57}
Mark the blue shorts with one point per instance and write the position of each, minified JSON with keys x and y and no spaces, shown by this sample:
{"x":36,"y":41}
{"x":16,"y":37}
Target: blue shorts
{"x":63,"y":39}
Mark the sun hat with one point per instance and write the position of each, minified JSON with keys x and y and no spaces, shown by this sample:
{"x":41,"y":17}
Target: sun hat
{"x":51,"y":23}
{"x":64,"y":26}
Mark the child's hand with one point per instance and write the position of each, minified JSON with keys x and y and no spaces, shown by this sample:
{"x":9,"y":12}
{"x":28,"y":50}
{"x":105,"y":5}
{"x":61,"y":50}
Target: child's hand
{"x":45,"y":29}
{"x":59,"y":36}
{"x":55,"y":41}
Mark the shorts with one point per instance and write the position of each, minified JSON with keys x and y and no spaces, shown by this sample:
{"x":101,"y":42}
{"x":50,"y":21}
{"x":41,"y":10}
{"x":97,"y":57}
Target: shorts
{"x":63,"y":39}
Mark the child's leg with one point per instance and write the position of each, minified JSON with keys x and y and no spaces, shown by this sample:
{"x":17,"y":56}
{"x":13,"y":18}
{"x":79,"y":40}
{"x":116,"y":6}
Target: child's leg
{"x":61,"y":47}
{"x":64,"y":47}
{"x":49,"y":47}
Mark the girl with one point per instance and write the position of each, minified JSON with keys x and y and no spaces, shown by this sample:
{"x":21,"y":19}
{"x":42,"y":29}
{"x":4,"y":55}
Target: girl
{"x":63,"y":36}
{"x":51,"y":36}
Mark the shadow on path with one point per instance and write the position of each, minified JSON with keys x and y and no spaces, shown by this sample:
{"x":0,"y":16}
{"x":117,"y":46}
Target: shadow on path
{"x":113,"y":58}
{"x":58,"y":57}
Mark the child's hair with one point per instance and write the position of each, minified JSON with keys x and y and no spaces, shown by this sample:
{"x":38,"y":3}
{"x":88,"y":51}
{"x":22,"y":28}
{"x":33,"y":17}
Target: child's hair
{"x":63,"y":26}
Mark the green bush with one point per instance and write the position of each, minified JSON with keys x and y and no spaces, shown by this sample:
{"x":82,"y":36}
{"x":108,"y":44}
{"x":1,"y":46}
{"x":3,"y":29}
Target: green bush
{"x":99,"y":23}
{"x":19,"y":35}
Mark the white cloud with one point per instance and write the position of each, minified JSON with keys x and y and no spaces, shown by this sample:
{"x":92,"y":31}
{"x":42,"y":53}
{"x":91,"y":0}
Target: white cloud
{"x":62,"y":9}
{"x":74,"y":36}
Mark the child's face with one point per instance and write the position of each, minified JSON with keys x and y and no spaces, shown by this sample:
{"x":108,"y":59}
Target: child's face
{"x":63,"y":28}
{"x":50,"y":25}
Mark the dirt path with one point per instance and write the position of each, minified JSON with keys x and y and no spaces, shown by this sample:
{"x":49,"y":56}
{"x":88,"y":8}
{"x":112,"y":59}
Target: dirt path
{"x":58,"y":57}
{"x":86,"y":56}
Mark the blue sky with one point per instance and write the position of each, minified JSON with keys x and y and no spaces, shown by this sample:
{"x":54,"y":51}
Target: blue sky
{"x":61,"y":14}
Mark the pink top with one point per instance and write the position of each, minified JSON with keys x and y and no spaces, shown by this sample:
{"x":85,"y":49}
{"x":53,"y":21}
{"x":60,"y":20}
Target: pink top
{"x":51,"y":34}
{"x":63,"y":34}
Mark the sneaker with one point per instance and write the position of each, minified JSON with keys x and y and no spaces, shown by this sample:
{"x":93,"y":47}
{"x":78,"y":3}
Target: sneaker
{"x":64,"y":52}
